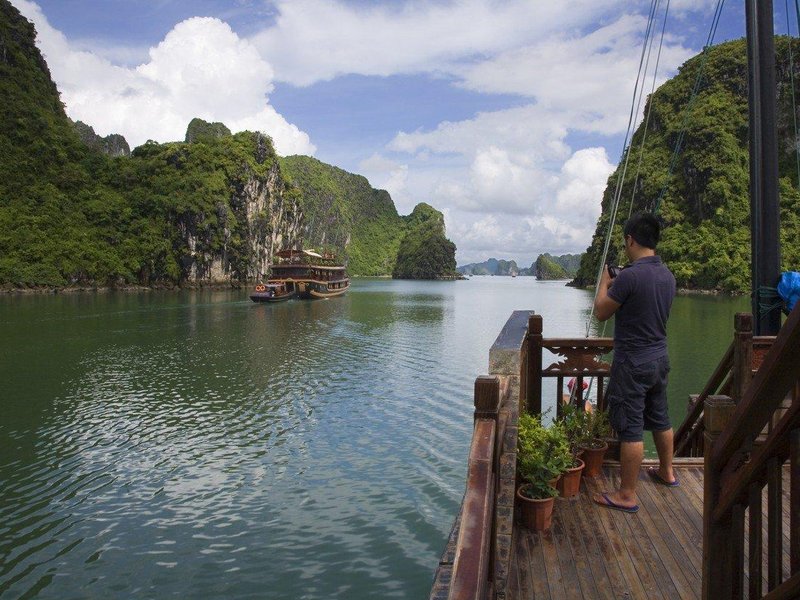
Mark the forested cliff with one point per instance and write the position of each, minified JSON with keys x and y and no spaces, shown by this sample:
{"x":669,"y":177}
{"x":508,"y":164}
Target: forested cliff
{"x":77,"y":210}
{"x":705,"y":205}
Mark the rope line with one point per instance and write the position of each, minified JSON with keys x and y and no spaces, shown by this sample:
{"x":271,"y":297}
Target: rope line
{"x":650,"y":107}
{"x":626,"y":152}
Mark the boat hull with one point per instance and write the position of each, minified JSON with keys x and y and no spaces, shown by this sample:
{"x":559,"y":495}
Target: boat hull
{"x":265,"y":297}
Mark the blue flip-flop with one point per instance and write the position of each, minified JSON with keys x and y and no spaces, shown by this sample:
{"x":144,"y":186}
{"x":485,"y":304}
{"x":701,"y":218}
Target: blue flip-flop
{"x":613,"y":505}
{"x":652,"y":473}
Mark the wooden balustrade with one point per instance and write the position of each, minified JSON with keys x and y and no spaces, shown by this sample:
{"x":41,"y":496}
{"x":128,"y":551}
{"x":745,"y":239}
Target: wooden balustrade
{"x":581,"y":358}
{"x":737,"y":470}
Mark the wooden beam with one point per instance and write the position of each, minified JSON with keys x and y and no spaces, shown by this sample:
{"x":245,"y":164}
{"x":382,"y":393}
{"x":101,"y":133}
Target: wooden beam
{"x":755,"y":541}
{"x":718,"y":556}
{"x":774,"y":524}
{"x":487,"y":397}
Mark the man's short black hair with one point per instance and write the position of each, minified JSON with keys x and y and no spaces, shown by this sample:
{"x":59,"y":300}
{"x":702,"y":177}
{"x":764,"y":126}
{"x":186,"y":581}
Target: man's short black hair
{"x":644,"y":228}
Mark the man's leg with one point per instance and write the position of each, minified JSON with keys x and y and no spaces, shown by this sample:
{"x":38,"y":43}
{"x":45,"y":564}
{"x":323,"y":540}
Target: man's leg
{"x":630,"y":458}
{"x":663,"y":440}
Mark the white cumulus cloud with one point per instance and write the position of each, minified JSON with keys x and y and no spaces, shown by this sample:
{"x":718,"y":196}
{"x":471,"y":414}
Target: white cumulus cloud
{"x":200,"y":69}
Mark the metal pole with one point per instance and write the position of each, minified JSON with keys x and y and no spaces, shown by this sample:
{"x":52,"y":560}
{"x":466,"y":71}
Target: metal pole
{"x":764,"y":200}
{"x":754,"y":121}
{"x":769,"y":269}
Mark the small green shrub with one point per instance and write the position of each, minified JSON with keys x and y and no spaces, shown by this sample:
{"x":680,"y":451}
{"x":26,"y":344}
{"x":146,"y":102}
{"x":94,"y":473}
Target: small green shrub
{"x":543,"y":454}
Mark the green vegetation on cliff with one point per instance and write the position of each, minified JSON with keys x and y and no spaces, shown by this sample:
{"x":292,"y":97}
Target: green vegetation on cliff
{"x":547,"y":269}
{"x":212,"y":209}
{"x":706,"y":207}
{"x":203,"y":131}
{"x":342,"y":211}
{"x":425,"y":252}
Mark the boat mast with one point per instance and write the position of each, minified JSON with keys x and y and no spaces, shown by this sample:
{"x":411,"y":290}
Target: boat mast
{"x":764,"y":198}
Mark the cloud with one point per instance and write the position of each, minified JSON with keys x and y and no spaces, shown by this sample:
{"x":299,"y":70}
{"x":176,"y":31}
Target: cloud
{"x":200,"y":69}
{"x":586,"y":78}
{"x":317,"y":40}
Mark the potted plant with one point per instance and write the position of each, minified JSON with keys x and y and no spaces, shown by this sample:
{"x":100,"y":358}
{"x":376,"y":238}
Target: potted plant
{"x":543,"y":453}
{"x":595,"y":446}
{"x":574,"y":422}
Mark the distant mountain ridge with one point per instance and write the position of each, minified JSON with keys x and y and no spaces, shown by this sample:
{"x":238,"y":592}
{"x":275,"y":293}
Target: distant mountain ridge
{"x":564,"y":266}
{"x":80,"y":210}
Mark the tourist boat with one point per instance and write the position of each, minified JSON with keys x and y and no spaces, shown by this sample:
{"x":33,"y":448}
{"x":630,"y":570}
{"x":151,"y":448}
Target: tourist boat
{"x":303,"y":274}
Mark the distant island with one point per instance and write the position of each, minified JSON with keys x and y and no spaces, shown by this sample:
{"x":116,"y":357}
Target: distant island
{"x":545,"y":267}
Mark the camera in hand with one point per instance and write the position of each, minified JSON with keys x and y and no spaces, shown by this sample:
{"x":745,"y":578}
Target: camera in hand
{"x":613,"y":270}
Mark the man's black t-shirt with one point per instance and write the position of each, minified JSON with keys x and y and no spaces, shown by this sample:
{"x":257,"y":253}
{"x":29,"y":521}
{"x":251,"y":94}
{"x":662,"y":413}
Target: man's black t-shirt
{"x":644,"y":290}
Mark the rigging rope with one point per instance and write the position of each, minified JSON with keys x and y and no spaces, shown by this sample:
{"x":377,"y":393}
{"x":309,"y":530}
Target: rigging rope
{"x":649,"y":106}
{"x":626,"y":150}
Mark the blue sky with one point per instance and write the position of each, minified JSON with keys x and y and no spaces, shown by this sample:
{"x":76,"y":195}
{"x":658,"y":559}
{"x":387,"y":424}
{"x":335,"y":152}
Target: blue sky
{"x":507,"y":115}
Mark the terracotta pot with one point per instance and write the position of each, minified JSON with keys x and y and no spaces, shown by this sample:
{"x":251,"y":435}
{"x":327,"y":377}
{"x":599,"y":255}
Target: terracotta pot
{"x":593,"y":457}
{"x":535,"y":514}
{"x":570,"y":483}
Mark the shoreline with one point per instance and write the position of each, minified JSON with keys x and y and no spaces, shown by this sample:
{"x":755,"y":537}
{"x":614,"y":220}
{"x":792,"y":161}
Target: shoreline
{"x":26,"y":291}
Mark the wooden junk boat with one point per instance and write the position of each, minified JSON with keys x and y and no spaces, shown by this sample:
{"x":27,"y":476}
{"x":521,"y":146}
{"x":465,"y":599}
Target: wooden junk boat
{"x":302,"y":274}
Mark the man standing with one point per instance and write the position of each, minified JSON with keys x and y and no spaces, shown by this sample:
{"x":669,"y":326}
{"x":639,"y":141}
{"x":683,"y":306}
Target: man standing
{"x":640,"y":297}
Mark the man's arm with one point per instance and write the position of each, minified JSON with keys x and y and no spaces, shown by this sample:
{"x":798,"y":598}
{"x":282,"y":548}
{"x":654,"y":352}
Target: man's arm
{"x":604,"y":307}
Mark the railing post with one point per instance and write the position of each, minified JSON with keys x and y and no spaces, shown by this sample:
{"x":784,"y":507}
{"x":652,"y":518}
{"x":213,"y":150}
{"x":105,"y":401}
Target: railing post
{"x":535,"y":365}
{"x":487,"y":397}
{"x":742,"y":354}
{"x":717,"y":537}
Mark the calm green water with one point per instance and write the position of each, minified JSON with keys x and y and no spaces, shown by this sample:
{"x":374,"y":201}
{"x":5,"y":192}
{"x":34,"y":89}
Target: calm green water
{"x":196,"y":445}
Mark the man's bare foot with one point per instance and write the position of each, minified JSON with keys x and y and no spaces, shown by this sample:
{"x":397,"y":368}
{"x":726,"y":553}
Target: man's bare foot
{"x":616,"y":501}
{"x":662,"y":478}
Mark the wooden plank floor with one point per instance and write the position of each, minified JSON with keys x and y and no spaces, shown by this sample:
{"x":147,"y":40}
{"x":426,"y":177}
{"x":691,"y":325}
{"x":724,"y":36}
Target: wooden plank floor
{"x":594,"y":552}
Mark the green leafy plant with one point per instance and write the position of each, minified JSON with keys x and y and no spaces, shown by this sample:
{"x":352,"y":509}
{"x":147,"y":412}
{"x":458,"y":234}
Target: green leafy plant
{"x":577,"y":428}
{"x":598,"y":427}
{"x":543,"y":454}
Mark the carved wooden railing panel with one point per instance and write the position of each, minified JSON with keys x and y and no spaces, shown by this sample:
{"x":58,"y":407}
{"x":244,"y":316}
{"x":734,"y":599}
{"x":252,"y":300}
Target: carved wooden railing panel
{"x":737,"y":470}
{"x":581,"y":358}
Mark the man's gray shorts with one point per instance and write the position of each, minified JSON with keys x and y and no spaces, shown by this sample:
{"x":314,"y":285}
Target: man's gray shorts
{"x":637,"y":398}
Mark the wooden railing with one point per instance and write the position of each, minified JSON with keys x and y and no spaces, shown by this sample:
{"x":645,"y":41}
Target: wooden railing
{"x":731,"y":377}
{"x":581,"y":358}
{"x":737,"y":470}
{"x":472,"y":563}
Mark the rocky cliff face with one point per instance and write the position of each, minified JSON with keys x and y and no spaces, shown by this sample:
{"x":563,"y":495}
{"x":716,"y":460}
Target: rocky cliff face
{"x":111,"y":145}
{"x":236,"y":243}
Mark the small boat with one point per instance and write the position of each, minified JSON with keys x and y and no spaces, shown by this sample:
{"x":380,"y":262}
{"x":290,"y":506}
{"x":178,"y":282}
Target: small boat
{"x":273,"y":292}
{"x":303,"y":274}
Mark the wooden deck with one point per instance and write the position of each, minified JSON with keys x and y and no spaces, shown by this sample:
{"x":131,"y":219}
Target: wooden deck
{"x":594,"y":552}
